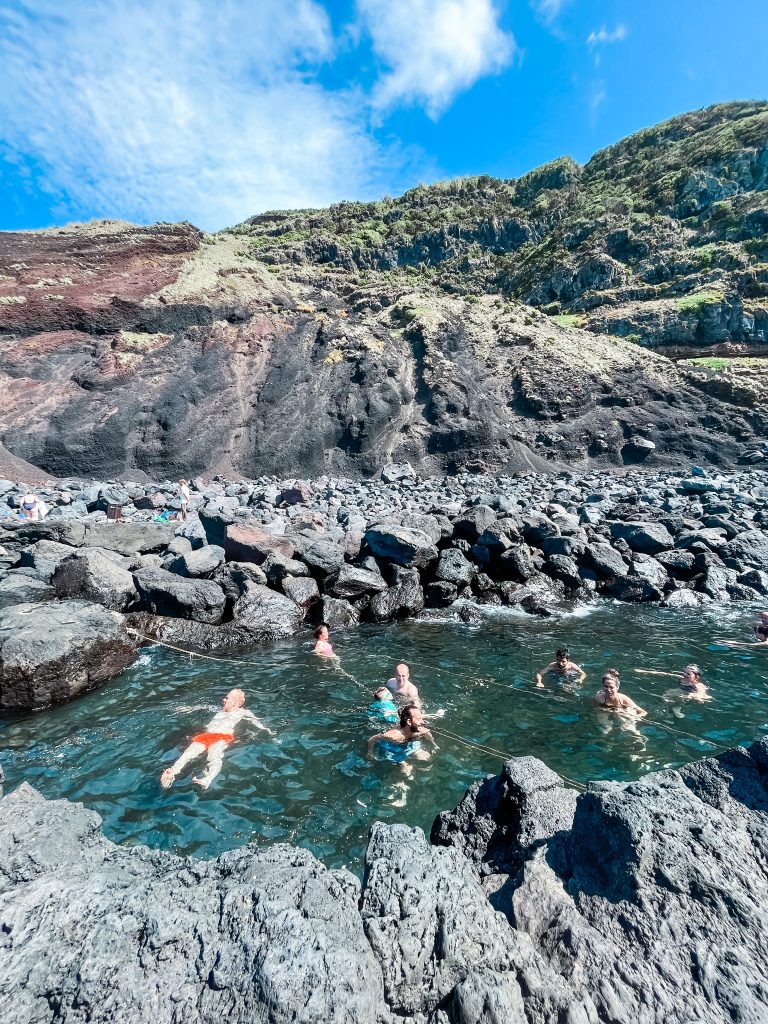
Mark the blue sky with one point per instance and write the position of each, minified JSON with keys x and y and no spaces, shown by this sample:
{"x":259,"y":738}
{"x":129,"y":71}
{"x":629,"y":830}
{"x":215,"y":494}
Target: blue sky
{"x":212,"y":110}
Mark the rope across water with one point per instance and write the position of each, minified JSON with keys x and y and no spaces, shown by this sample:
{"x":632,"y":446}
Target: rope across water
{"x":470,"y":744}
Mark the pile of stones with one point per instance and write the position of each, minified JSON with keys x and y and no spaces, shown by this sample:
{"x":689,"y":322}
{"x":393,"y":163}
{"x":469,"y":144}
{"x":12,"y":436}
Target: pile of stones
{"x":256,"y":559}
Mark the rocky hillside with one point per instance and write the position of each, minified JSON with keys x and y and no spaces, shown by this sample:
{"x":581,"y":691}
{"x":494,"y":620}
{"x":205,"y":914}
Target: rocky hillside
{"x":336,"y":341}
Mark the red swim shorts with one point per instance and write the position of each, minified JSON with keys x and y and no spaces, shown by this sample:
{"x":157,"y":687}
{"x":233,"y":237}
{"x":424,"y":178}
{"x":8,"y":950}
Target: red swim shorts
{"x":209,"y":738}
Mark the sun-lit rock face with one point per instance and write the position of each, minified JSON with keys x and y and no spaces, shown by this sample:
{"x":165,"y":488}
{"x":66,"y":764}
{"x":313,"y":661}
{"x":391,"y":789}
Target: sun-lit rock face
{"x":341,"y":340}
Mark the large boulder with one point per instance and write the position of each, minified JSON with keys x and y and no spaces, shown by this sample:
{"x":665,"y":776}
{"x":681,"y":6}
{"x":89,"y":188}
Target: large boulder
{"x":130,"y":538}
{"x":52,"y":652}
{"x":354,"y":581}
{"x":403,"y":599}
{"x":21,"y":588}
{"x":646,"y":538}
{"x":248,"y":542}
{"x":442,"y":947}
{"x":605,"y":560}
{"x":44,"y":557}
{"x":266,"y":614}
{"x":324,"y":556}
{"x":406,"y":547}
{"x":164,"y":593}
{"x":127,"y":935}
{"x":199,"y":563}
{"x":749,"y":548}
{"x":91,"y":574}
{"x":453,"y":567}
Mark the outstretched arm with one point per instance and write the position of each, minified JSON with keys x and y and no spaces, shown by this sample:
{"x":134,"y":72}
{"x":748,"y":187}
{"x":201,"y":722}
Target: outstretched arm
{"x":374,"y":740}
{"x":741,"y":643}
{"x":657,"y":672}
{"x":249,"y":716}
{"x":425,"y":734}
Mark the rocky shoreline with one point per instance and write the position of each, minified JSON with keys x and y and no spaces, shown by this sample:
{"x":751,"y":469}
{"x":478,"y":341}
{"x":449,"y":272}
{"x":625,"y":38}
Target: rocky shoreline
{"x":255,"y":560}
{"x":631,"y":902}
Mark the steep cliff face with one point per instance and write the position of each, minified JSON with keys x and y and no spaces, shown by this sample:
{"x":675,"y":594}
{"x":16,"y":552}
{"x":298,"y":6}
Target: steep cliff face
{"x":335,"y":341}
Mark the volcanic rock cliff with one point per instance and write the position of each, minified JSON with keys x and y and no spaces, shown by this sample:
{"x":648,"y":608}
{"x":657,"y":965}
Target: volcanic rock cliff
{"x":334,"y":341}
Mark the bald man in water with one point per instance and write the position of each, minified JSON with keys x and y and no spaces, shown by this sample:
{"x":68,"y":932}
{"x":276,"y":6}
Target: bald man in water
{"x":401,"y":686}
{"x":219,"y":733}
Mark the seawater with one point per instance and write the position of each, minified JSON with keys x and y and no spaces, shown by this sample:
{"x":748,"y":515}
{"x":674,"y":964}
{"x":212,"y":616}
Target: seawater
{"x":313,"y":785}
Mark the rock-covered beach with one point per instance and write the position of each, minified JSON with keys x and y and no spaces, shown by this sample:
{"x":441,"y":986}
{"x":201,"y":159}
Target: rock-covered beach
{"x":260,"y":560}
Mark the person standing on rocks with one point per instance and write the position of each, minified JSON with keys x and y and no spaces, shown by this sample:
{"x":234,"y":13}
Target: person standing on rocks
{"x":609,"y":699}
{"x":31,"y":508}
{"x":219,"y":733}
{"x":405,"y":739}
{"x":400,"y":685}
{"x":563,"y":667}
{"x":184,"y":497}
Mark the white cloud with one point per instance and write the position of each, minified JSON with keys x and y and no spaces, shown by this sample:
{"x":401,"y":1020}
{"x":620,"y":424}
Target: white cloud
{"x":433,"y":49}
{"x":548,"y":9}
{"x":153,"y":110}
{"x":603,"y":36}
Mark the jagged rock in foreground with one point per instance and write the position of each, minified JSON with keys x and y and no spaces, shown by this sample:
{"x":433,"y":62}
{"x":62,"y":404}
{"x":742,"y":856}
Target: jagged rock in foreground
{"x":636,"y":903}
{"x":95,"y":932}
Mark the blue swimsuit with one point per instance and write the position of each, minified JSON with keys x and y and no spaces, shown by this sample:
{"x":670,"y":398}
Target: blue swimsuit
{"x":383,"y":711}
{"x":398,"y":752}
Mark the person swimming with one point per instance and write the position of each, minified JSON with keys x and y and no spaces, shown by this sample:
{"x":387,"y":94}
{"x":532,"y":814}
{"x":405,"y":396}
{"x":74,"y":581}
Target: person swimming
{"x":219,"y":733}
{"x":761,"y":635}
{"x":382,"y":708}
{"x":608,"y":697}
{"x":322,"y":643}
{"x":689,"y":679}
{"x":404,"y":740}
{"x":563,"y":667}
{"x":400,"y":685}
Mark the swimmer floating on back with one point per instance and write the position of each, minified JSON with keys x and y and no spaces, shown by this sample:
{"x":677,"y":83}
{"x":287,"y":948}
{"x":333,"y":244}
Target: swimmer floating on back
{"x":609,"y":699}
{"x":563,"y":667}
{"x":405,"y":739}
{"x":214,"y":741}
{"x":322,"y":643}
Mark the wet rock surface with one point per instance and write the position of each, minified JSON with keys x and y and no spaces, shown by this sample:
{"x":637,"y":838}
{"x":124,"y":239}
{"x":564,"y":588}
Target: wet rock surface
{"x":638,"y":901}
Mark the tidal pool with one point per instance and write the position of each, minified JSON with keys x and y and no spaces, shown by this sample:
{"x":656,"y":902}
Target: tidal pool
{"x":313,"y":785}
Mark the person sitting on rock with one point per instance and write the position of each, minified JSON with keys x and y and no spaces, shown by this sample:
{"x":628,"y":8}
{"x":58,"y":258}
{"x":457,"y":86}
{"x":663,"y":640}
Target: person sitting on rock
{"x":405,"y":739}
{"x":400,"y":685}
{"x":690,"y":681}
{"x":322,"y":643}
{"x":609,"y":699}
{"x":219,"y":733}
{"x":382,"y":708}
{"x":563,"y":667}
{"x":31,"y":507}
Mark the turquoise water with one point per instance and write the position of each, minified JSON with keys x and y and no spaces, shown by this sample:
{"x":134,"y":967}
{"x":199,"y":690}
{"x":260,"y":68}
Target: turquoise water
{"x":313,"y":785}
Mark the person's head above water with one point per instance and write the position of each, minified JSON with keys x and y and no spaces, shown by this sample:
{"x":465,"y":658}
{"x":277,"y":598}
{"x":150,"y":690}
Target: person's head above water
{"x":402,"y":674}
{"x":612,"y":672}
{"x":562,"y":654}
{"x":382,"y":693}
{"x":610,"y":684}
{"x":321,"y":633}
{"x":234,"y":700}
{"x":411,"y":716}
{"x":692,"y":674}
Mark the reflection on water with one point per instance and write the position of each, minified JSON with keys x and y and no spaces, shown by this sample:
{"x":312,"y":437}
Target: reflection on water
{"x":312,"y":783}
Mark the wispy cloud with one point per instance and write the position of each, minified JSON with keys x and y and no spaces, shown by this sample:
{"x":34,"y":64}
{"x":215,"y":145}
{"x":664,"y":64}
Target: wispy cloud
{"x":164,"y":111}
{"x":548,"y":10}
{"x":602,"y":36}
{"x":433,"y":49}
